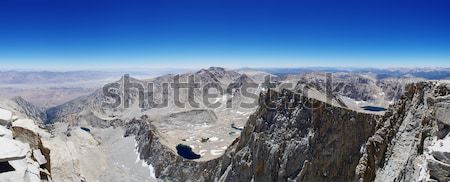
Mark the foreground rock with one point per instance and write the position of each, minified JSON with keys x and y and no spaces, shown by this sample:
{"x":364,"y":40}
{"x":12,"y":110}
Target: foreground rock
{"x":12,"y":150}
{"x":23,"y":157}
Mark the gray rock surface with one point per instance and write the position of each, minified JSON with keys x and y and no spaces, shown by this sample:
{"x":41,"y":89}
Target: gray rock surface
{"x":411,"y":141}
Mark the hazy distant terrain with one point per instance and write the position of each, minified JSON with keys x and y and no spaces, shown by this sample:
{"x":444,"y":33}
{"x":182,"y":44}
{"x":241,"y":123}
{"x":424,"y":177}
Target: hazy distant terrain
{"x":49,"y":89}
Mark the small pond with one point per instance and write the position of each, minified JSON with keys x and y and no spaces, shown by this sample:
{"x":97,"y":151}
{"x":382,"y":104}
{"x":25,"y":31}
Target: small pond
{"x":236,"y":128}
{"x":85,"y":129}
{"x":374,"y":108}
{"x":186,"y":152}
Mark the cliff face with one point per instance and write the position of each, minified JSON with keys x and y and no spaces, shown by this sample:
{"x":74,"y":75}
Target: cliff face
{"x":166,"y":163}
{"x":411,"y":142}
{"x":298,"y":143}
{"x":285,"y":141}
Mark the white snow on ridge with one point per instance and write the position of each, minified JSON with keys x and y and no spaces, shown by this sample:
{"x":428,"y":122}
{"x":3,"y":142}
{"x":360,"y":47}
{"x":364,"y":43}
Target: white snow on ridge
{"x":5,"y":115}
{"x":5,"y":132}
{"x":213,"y":139}
{"x":216,"y":152}
{"x":144,"y":164}
{"x":442,"y":145}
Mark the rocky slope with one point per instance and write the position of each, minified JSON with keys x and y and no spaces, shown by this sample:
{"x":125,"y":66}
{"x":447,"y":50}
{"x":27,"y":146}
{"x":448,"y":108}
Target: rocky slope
{"x":412,"y":141}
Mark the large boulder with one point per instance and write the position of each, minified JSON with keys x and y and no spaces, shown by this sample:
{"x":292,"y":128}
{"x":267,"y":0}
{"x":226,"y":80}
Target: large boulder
{"x":32,"y":138}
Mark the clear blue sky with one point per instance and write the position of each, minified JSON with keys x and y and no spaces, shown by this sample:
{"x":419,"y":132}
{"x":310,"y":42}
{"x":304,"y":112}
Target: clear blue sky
{"x":79,"y":34}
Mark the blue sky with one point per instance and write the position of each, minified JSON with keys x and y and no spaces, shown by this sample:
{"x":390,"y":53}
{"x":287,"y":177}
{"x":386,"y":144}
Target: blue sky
{"x":110,"y":34}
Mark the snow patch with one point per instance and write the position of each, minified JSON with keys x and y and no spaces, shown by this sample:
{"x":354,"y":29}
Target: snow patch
{"x":213,"y":139}
{"x":216,"y":152}
{"x":423,"y":174}
{"x":152,"y":171}
{"x":5,"y":115}
{"x":144,"y":164}
{"x":5,"y":132}
{"x":362,"y":149}
{"x":442,"y":145}
{"x":202,"y":152}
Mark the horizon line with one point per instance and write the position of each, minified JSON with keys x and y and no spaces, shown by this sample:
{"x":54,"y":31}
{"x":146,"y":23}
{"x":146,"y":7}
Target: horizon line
{"x":142,"y":69}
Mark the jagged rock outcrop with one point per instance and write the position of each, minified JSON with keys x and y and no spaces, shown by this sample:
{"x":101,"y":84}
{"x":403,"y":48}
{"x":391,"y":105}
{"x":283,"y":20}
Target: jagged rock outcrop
{"x":24,"y":109}
{"x":31,"y":111}
{"x":285,"y":141}
{"x":411,"y":142}
{"x":297,"y":143}
{"x":393,"y":88}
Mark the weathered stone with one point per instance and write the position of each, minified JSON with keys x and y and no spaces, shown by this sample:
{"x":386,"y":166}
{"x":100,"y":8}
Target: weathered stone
{"x":26,"y":136}
{"x":442,"y":112}
{"x":12,"y":149}
{"x":402,"y":147}
{"x":438,"y":170}
{"x":39,"y":157}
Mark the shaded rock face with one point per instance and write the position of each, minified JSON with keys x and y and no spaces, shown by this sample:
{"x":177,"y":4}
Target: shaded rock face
{"x":298,"y":143}
{"x":33,"y":112}
{"x":412,"y":141}
{"x":277,"y":144}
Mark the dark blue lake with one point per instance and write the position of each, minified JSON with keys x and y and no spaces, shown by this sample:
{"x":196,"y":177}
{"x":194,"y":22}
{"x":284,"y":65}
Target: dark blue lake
{"x":86,"y":129}
{"x":236,"y":128}
{"x":374,"y":108}
{"x":186,"y":152}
